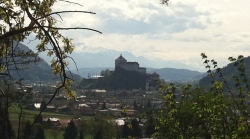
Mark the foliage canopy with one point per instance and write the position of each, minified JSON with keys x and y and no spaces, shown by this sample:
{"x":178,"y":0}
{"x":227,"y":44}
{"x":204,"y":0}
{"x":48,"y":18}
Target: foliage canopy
{"x":191,"y":112}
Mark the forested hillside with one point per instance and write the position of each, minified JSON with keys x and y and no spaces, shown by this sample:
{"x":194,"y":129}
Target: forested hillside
{"x":35,"y":69}
{"x":228,"y":72}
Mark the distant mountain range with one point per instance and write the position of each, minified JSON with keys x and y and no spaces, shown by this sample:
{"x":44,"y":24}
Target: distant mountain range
{"x":177,"y":75}
{"x":106,"y":58}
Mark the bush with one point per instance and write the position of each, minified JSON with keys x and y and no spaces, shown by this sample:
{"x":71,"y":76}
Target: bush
{"x":206,"y":112}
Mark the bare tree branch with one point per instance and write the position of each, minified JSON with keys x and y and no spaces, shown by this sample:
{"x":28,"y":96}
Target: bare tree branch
{"x":65,"y":12}
{"x":71,"y":2}
{"x":75,"y":28}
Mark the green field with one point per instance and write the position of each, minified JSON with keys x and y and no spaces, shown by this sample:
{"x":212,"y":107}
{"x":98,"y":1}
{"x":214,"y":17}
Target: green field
{"x":30,"y":114}
{"x":14,"y":112}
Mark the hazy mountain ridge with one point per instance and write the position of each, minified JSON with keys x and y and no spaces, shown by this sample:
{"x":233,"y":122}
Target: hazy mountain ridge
{"x":106,"y":58}
{"x":176,"y":75}
{"x":36,"y":71}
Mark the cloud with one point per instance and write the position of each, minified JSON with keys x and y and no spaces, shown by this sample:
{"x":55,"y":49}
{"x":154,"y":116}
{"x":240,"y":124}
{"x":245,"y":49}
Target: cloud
{"x":136,"y":17}
{"x":149,"y":19}
{"x":178,"y":32}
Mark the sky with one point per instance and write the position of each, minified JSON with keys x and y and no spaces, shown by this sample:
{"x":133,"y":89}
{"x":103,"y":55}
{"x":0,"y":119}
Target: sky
{"x":178,"y":32}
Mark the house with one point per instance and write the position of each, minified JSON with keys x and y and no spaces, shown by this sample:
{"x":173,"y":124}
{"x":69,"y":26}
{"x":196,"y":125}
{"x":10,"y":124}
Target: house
{"x":113,"y":105}
{"x":63,"y":122}
{"x":50,"y":108}
{"x":115,"y":112}
{"x":37,"y":105}
{"x":65,"y":110}
{"x":86,"y":110}
{"x":52,"y":121}
{"x":94,"y":105}
{"x":130,"y":112}
{"x":59,"y":101}
{"x":103,"y":112}
{"x":31,"y":107}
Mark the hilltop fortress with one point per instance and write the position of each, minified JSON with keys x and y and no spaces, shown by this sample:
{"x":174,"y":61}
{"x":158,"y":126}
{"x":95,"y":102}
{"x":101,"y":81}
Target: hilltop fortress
{"x":129,"y":66}
{"x":133,"y":66}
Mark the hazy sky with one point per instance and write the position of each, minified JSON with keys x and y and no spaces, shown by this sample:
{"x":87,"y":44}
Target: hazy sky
{"x":178,"y":32}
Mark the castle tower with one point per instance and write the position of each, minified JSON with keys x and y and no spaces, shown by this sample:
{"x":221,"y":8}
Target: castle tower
{"x":119,"y":60}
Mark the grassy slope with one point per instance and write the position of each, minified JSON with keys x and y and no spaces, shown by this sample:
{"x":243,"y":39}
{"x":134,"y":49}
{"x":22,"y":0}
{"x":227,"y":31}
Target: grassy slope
{"x":29,"y":115}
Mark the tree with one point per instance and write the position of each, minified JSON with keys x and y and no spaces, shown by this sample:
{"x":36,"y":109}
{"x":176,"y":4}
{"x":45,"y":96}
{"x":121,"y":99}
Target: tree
{"x":104,"y":128}
{"x":39,"y":132}
{"x":132,"y":129}
{"x":71,"y":103}
{"x":81,"y":136}
{"x":48,"y":123}
{"x":105,"y":73}
{"x":102,"y":73}
{"x":70,"y":131}
{"x":55,"y":132}
{"x":216,"y":111}
{"x":89,"y":127}
{"x":126,"y":130}
{"x":164,"y":2}
{"x":28,"y":131}
{"x":42,"y":107}
{"x":6,"y":130}
{"x":104,"y":106}
{"x":150,"y":126}
{"x":135,"y":105}
{"x":99,"y":134}
{"x":82,"y":128}
{"x":149,"y":104}
{"x":21,"y":18}
{"x":39,"y":118}
{"x":136,"y":129}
